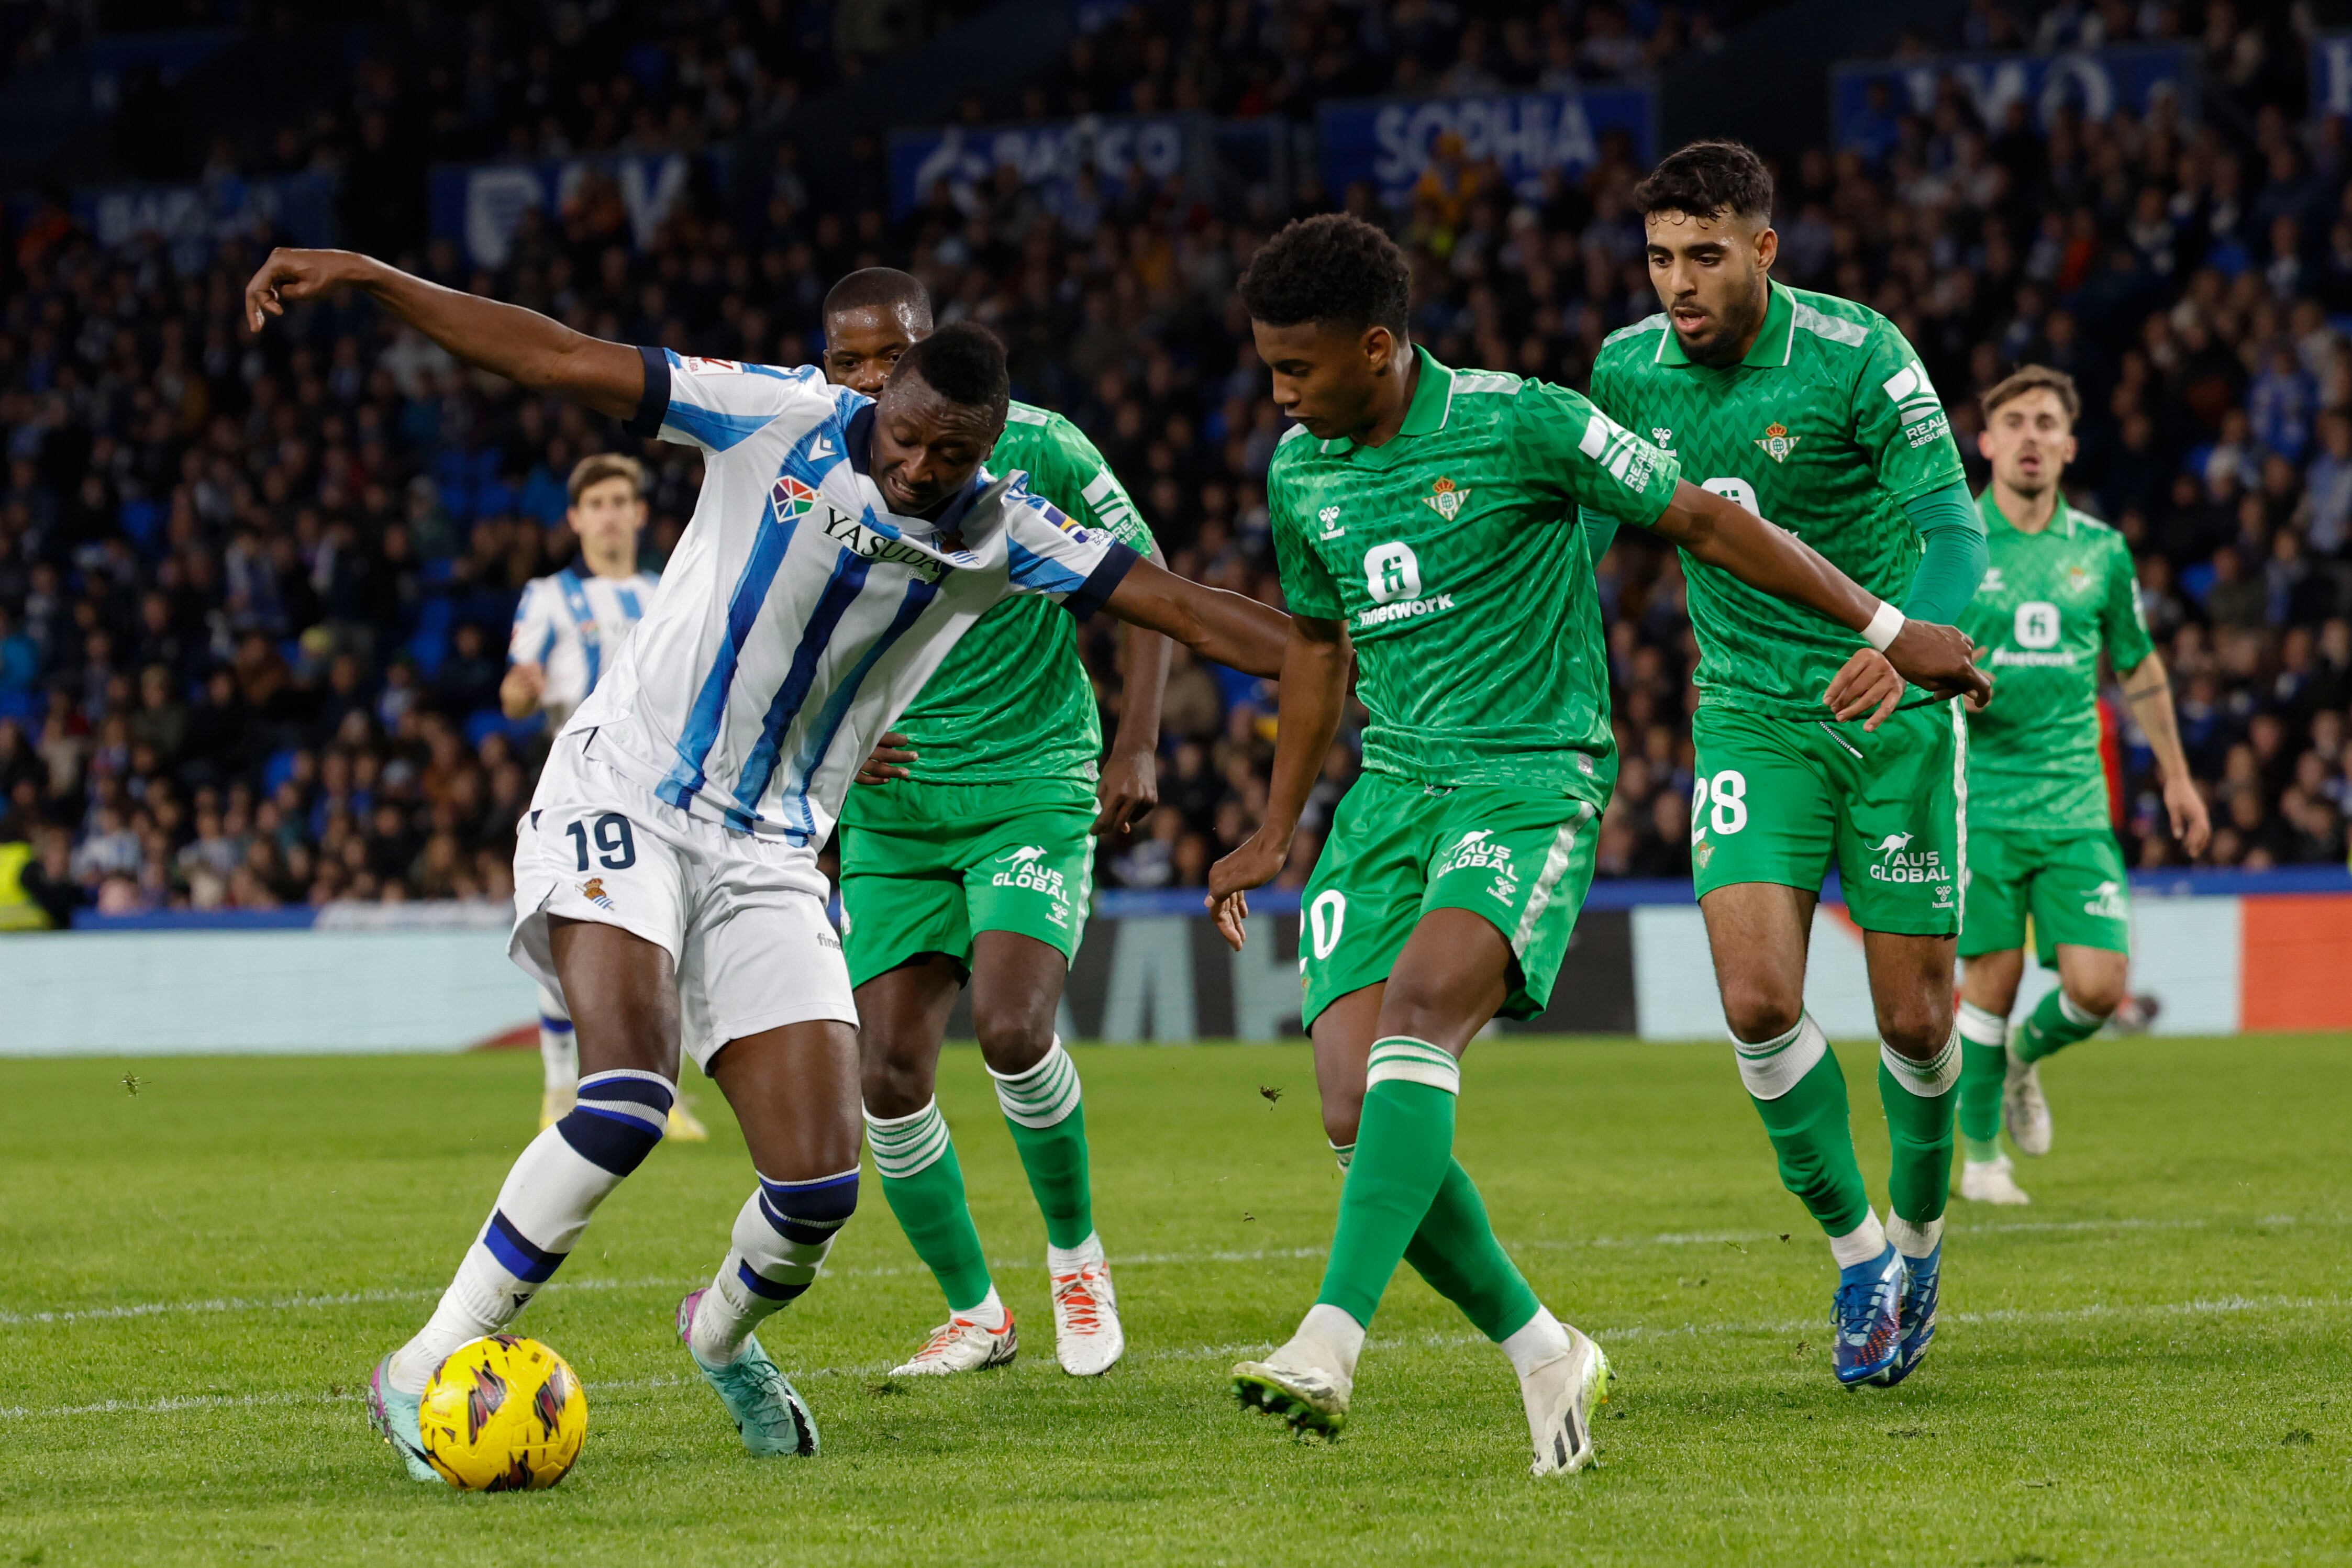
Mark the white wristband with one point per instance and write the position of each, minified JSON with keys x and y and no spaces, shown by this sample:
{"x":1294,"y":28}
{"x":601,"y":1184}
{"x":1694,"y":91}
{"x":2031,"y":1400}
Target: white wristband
{"x":1883,"y":628}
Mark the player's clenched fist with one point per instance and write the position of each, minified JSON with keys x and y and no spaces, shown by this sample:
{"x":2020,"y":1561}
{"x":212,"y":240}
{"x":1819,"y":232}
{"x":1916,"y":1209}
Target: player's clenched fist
{"x":291,"y":276}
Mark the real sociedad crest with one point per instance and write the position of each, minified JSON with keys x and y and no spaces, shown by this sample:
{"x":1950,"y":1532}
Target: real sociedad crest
{"x":1446,"y":501}
{"x":1777,"y":442}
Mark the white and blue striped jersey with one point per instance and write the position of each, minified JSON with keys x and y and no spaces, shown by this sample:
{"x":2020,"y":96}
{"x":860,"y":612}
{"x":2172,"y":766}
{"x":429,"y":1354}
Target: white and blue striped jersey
{"x":571,"y":625}
{"x":799,"y":616}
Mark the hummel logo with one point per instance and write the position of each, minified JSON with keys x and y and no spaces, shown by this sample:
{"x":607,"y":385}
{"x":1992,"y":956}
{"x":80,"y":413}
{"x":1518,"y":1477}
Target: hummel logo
{"x":1661,"y":435}
{"x":1330,"y":518}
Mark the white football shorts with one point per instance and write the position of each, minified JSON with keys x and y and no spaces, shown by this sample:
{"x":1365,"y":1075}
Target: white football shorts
{"x":743,"y":917}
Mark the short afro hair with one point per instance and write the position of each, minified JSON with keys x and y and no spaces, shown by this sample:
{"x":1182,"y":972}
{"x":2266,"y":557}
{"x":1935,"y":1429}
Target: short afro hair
{"x":962,"y":362}
{"x":1332,"y":268}
{"x":1707,"y":180}
{"x":883,"y":288}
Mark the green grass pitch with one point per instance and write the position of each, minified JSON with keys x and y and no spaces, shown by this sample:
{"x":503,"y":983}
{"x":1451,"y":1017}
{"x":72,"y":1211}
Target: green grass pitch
{"x":2147,"y":1365}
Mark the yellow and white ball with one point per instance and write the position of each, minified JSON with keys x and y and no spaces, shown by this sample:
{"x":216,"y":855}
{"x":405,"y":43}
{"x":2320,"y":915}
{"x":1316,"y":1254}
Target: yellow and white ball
{"x":503,"y":1413}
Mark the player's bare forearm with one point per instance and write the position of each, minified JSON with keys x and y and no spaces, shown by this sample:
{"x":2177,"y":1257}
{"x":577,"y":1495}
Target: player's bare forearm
{"x":533,"y":350}
{"x":519,"y":692}
{"x":2147,"y":692}
{"x":1143,"y":685}
{"x":1316,"y":664}
{"x":1773,"y":560}
{"x":1223,"y":628}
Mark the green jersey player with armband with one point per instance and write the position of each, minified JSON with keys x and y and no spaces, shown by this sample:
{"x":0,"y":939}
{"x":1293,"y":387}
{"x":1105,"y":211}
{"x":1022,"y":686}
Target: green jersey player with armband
{"x":1814,"y":411}
{"x":2061,"y":590}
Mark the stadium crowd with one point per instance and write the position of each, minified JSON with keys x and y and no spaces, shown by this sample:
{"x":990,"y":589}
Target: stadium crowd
{"x":253,"y":596}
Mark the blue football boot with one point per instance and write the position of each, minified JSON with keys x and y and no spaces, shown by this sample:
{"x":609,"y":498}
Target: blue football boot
{"x":1867,"y":1317}
{"x":765,"y":1407}
{"x":1921,"y":1276}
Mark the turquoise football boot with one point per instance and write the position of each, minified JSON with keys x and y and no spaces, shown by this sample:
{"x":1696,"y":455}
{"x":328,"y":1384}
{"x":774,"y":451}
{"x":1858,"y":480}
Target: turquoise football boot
{"x":772,"y":1418}
{"x":393,"y":1416}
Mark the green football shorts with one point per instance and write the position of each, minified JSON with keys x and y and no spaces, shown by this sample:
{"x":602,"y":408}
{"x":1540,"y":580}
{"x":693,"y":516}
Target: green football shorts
{"x":1778,"y":799}
{"x":924,"y":866}
{"x":2073,"y":884}
{"x":1520,"y":858}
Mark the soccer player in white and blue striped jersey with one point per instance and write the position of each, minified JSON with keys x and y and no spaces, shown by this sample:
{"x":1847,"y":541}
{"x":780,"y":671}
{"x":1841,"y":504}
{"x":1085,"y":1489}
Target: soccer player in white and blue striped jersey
{"x":568,"y":630}
{"x":665,"y":877}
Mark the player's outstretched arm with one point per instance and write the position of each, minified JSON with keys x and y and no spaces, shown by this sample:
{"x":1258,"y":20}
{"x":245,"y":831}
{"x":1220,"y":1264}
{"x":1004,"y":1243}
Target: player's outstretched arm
{"x":1223,"y":628}
{"x":2148,"y":691}
{"x":522,"y":345}
{"x":1315,"y":663}
{"x":1770,"y":558}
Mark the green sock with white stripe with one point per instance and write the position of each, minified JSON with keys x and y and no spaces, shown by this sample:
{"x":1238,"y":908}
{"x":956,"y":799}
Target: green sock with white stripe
{"x":2053,"y":1025}
{"x":1049,"y":1128}
{"x":1984,"y":1064}
{"x":1404,"y":1144}
{"x":1455,"y":1249}
{"x":1800,"y":1091}
{"x":1920,"y":1098}
{"x":924,"y":1185}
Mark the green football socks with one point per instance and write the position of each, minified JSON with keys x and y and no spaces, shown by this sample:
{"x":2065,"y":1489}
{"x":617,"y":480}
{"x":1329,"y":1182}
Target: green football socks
{"x":1404,"y":1145}
{"x":1800,"y":1093}
{"x":2053,"y":1025}
{"x":1920,"y":1098}
{"x":1048,"y":1121}
{"x":924,"y":1186}
{"x":1984,"y":1064}
{"x":1455,"y":1251}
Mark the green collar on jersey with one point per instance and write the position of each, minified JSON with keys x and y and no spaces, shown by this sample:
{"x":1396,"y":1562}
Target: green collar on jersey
{"x":2061,"y":518}
{"x":1776,"y":340}
{"x":1433,"y":402}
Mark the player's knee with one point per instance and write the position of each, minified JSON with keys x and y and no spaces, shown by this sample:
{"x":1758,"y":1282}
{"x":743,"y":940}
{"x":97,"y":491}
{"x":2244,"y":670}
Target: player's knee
{"x":1916,"y":1027}
{"x":1340,"y":1117}
{"x":893,"y":1082}
{"x":2098,"y":995}
{"x":618,"y":1118}
{"x":1014,"y":1038}
{"x":1760,"y":1011}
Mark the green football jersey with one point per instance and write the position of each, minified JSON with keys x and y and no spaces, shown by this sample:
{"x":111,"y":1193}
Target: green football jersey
{"x":2048,"y":603}
{"x":1452,"y":554}
{"x":1012,"y":701}
{"x":1826,"y":427}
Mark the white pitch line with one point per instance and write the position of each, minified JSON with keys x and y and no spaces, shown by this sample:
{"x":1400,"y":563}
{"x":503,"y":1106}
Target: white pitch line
{"x":315,"y":1301}
{"x":2210,"y":1307}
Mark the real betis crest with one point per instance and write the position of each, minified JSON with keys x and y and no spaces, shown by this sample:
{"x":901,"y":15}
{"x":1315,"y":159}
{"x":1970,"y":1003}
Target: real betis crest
{"x":1446,"y":500}
{"x":1777,"y":442}
{"x":791,"y":498}
{"x":2077,"y":578}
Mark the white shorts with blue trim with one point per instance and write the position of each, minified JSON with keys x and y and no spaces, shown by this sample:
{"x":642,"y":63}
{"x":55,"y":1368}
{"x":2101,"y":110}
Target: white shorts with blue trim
{"x":742,"y":918}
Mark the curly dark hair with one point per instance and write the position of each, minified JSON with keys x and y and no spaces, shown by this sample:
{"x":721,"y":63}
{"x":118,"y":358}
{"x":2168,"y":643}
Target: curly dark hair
{"x":964,"y":363}
{"x":1709,"y":178}
{"x":1333,"y":267}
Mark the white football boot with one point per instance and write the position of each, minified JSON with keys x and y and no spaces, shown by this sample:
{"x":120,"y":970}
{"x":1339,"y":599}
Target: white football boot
{"x":1306,"y":1382}
{"x":963,"y":1343}
{"x":1559,"y":1395}
{"x":1088,"y":1338}
{"x":2023,"y":1109}
{"x":1991,"y":1181}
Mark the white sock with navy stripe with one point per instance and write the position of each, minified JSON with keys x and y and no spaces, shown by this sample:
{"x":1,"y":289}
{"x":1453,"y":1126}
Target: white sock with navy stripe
{"x":782,"y":1235}
{"x":559,"y":1048}
{"x":543,"y":1208}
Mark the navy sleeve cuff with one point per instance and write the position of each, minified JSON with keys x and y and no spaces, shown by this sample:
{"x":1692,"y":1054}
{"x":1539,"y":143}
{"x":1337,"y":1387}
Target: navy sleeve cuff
{"x":652,"y":405}
{"x":1103,"y":581}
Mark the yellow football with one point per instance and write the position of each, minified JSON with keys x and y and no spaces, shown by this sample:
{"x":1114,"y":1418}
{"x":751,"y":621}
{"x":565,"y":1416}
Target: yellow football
{"x":503,"y":1413}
